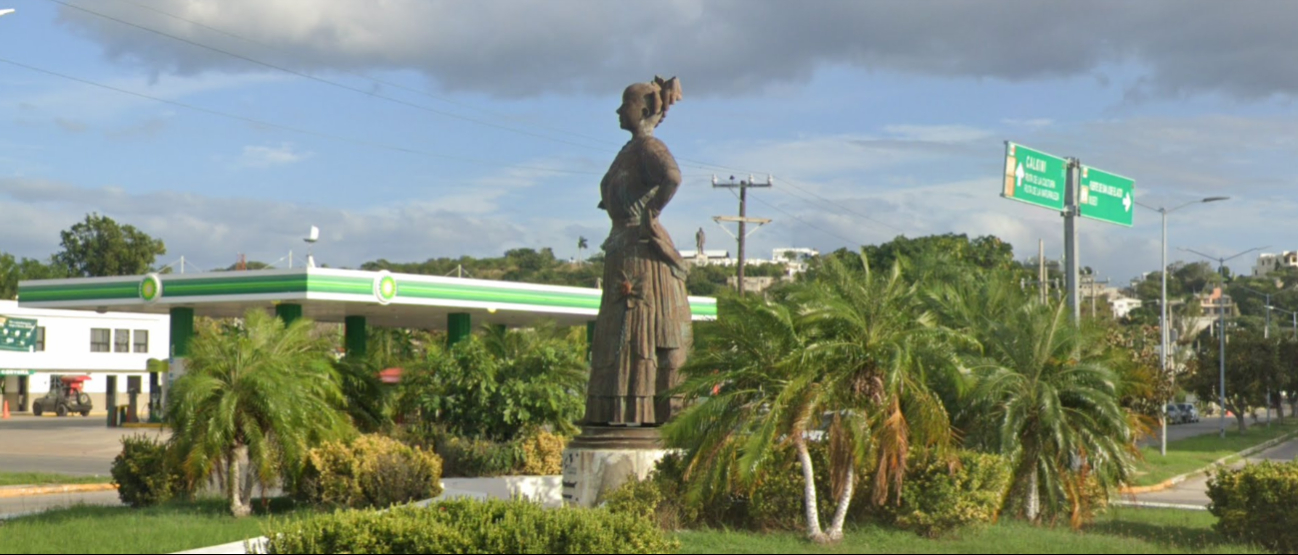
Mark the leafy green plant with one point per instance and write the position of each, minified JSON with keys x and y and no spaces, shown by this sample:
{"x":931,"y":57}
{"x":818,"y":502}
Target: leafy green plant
{"x":942,"y":496}
{"x":499,"y":386}
{"x":1258,"y":504}
{"x":143,"y":474}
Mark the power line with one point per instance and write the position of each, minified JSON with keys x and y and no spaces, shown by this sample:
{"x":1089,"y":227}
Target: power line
{"x":702,"y":165}
{"x":807,"y":223}
{"x":309,"y":132}
{"x":323,"y":80}
{"x":358,"y":75}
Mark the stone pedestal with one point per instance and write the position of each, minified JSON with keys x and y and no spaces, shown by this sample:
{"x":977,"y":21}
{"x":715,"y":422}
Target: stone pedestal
{"x":601,"y":459}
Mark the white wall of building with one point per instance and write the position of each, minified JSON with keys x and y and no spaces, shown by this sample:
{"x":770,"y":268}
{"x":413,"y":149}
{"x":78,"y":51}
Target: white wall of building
{"x":1123,"y":307}
{"x":68,"y":350}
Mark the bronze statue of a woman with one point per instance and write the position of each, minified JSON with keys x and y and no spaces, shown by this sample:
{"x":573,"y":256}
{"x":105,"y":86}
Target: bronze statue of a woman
{"x":643,"y":332}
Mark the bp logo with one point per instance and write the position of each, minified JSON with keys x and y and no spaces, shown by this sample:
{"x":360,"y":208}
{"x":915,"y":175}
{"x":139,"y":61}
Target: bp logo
{"x":385,"y":287}
{"x":151,"y":288}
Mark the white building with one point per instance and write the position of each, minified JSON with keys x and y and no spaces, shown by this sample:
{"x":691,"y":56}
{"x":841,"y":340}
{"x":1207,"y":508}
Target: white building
{"x":710,"y":258}
{"x":1123,"y":306}
{"x":794,"y":258}
{"x":76,"y":343}
{"x":1268,"y":262}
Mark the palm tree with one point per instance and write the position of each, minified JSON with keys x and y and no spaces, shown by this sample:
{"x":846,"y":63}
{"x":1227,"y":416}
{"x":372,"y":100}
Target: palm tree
{"x":849,"y":345}
{"x":581,"y":246}
{"x":1046,"y":400}
{"x":262,"y":392}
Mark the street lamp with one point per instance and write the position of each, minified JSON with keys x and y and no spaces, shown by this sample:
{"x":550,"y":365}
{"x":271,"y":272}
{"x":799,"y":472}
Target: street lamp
{"x":1162,"y":318}
{"x":6,"y":12}
{"x":1221,"y":309}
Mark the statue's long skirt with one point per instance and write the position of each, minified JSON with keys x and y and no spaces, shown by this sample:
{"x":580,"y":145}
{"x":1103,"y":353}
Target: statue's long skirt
{"x":642,"y":335}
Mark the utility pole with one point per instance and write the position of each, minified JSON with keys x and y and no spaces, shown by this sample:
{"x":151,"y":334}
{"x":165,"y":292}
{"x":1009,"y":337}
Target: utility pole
{"x":743,"y":215}
{"x":1221,"y":327}
{"x":1092,"y":290}
{"x":1041,"y":269}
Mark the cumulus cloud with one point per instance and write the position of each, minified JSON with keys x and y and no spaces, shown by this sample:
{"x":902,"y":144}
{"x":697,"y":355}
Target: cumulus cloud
{"x":523,"y":48}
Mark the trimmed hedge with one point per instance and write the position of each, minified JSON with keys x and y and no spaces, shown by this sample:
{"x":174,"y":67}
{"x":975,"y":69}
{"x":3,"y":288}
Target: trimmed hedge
{"x":372,"y":471}
{"x":468,"y":526}
{"x":1258,"y":504}
{"x":144,"y":474}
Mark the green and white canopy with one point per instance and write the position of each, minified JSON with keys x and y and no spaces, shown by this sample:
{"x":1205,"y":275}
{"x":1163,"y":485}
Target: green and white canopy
{"x":329,"y":295}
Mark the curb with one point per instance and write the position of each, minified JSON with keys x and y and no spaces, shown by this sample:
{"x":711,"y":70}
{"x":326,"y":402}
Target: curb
{"x":1145,"y":505}
{"x":1173,"y":481}
{"x":26,"y":491}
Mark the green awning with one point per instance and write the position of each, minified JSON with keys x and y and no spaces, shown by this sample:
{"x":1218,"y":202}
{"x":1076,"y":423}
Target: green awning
{"x":11,"y":372}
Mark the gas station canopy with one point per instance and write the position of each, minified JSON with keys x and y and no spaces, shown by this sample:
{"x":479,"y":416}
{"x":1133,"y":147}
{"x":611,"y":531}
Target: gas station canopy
{"x":330,"y":295}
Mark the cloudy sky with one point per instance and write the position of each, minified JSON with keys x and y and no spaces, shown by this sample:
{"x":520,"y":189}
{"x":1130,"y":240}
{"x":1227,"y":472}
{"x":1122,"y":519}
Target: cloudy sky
{"x":410,"y":129}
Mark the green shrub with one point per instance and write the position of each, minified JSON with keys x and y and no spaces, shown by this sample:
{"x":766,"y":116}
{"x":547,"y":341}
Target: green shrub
{"x":475,"y":458}
{"x":939,"y":497}
{"x":372,"y":471}
{"x":1258,"y":503}
{"x":538,"y":453}
{"x":773,"y":501}
{"x":542,"y":454}
{"x":143,"y":473}
{"x":470,"y":527}
{"x":499,"y":386}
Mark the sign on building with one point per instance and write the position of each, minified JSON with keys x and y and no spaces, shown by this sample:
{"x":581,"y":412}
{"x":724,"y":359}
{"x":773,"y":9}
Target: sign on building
{"x":17,"y":334}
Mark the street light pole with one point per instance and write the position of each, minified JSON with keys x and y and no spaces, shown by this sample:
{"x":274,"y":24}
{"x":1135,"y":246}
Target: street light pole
{"x":1221,"y":307}
{"x":1162,"y":318}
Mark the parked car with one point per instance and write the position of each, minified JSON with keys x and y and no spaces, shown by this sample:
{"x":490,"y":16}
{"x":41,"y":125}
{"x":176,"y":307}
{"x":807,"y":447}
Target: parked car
{"x":1188,"y":412}
{"x":1174,"y":414}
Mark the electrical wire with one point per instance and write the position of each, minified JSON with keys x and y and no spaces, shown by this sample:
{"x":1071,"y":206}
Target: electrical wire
{"x":291,"y":129}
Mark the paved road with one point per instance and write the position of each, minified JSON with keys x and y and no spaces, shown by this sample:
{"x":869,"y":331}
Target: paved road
{"x":1195,"y":490}
{"x":1205,"y":425}
{"x":71,"y":445}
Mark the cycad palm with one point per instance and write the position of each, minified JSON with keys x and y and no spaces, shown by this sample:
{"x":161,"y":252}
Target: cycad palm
{"x":264,"y":392}
{"x":849,"y":344}
{"x":1050,"y":404}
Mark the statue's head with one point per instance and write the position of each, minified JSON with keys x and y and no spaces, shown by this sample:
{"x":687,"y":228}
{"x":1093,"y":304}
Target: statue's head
{"x":644,"y":105}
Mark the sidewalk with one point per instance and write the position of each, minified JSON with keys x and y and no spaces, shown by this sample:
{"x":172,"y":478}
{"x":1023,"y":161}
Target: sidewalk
{"x":13,"y":507}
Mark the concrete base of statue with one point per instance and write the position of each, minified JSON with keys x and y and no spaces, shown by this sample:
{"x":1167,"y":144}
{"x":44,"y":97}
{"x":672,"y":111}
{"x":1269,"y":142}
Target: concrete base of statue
{"x":603,"y":458}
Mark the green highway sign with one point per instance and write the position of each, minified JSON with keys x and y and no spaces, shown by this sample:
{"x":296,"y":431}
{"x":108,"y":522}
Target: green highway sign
{"x":1034,"y":177}
{"x":1106,"y":197}
{"x":17,"y":334}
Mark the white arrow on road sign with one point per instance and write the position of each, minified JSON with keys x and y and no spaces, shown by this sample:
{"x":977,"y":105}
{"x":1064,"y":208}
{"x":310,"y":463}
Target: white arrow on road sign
{"x":1126,"y":202}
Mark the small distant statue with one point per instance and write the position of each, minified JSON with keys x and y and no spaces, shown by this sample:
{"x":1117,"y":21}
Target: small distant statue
{"x":643,"y":332}
{"x":698,"y":240}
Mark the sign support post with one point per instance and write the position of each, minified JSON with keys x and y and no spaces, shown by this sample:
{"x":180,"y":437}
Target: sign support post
{"x":1071,"y":266}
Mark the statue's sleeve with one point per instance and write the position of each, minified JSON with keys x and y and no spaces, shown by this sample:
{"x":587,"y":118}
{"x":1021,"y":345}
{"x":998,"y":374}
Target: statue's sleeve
{"x":659,"y":169}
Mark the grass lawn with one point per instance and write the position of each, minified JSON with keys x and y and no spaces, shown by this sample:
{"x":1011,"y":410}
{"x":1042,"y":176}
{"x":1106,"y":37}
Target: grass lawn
{"x":42,"y":479}
{"x":1118,"y":531}
{"x":1193,"y":453}
{"x":164,"y":529}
